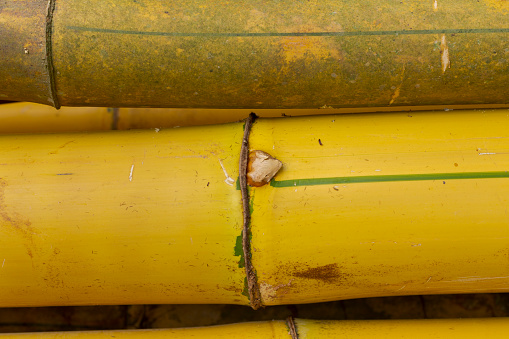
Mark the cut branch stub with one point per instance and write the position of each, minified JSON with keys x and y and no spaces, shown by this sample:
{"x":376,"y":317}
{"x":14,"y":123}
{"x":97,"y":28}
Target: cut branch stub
{"x":261,"y":168}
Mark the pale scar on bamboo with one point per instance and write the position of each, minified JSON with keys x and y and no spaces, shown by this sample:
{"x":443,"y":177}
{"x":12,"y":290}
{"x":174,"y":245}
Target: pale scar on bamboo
{"x":261,"y":168}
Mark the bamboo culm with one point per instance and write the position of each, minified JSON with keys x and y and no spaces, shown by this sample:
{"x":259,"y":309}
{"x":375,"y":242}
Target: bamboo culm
{"x":365,"y":205}
{"x":254,"y":54}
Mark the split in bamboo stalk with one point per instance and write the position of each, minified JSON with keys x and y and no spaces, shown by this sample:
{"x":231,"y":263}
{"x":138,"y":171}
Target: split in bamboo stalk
{"x":365,"y":205}
{"x":288,"y":54}
{"x":351,"y":329}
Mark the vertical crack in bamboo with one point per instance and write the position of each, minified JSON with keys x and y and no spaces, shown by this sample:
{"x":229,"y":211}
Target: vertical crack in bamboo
{"x":290,"y":321}
{"x":252,"y":281}
{"x":49,"y":53}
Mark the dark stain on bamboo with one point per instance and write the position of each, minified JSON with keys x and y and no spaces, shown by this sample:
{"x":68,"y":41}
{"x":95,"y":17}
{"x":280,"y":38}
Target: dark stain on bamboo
{"x":328,"y":273}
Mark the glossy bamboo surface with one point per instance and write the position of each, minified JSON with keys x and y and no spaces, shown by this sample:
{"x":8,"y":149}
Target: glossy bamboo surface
{"x":390,"y":204}
{"x":365,"y":205}
{"x":119,"y":218}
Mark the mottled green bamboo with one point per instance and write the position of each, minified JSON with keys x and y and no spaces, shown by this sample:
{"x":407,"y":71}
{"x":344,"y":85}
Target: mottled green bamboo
{"x":24,"y":70}
{"x":263,"y":54}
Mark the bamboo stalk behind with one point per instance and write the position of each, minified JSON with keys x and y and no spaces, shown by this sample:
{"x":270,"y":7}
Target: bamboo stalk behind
{"x":254,"y":330}
{"x":444,"y":328}
{"x":365,"y":205}
{"x":24,"y":117}
{"x":254,"y":54}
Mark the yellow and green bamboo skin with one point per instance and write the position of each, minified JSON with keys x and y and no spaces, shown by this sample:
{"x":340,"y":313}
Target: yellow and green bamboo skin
{"x":365,"y":205}
{"x":254,"y":54}
{"x":349,"y":329}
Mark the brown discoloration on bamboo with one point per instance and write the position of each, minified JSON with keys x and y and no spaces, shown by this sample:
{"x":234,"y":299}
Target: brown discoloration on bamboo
{"x":16,"y":222}
{"x":299,"y":274}
{"x":328,"y":273}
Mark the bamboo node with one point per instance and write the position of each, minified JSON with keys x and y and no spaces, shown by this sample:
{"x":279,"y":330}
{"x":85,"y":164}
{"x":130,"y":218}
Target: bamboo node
{"x":290,"y":322}
{"x":252,"y":280}
{"x":49,"y":54}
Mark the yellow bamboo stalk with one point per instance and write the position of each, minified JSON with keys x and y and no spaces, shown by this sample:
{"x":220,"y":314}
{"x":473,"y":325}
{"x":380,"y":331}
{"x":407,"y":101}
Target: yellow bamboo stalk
{"x":25,"y":117}
{"x":388,"y":329}
{"x":254,"y":330}
{"x":351,"y":329}
{"x":392,"y":204}
{"x":290,"y":54}
{"x":116,"y":218}
{"x":365,"y":205}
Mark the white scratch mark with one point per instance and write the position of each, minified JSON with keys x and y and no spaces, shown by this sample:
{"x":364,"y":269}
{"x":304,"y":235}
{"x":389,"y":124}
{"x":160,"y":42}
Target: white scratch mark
{"x":157,"y":130}
{"x":187,"y":157}
{"x":487,"y":153}
{"x":3,"y":264}
{"x":131,"y":173}
{"x":444,"y":50}
{"x":377,"y":170}
{"x":427,"y":281}
{"x":229,"y":180}
{"x":435,"y":5}
{"x":401,"y":288}
{"x":474,"y":279}
{"x":191,"y":240}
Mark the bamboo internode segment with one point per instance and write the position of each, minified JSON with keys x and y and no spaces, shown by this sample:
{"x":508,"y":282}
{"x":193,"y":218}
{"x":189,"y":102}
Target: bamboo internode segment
{"x":25,"y":117}
{"x":254,"y":54}
{"x":364,"y":205}
{"x":121,"y":218}
{"x":389,"y":204}
{"x":308,"y":329}
{"x":24,"y":72}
